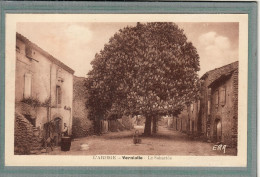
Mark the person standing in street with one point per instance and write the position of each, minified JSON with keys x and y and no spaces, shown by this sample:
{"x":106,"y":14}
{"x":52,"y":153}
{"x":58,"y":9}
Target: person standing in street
{"x":65,"y":130}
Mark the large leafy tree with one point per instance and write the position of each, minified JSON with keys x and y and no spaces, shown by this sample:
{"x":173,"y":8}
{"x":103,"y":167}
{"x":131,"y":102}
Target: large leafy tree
{"x":149,"y":69}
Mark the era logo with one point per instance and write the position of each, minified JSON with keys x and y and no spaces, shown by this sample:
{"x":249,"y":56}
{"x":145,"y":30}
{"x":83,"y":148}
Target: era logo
{"x":219,"y":147}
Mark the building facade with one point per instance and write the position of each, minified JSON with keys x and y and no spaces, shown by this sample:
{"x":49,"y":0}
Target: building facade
{"x":82,"y":126}
{"x":214,"y":115}
{"x":43,"y":88}
{"x":224,"y":108}
{"x":194,"y":127}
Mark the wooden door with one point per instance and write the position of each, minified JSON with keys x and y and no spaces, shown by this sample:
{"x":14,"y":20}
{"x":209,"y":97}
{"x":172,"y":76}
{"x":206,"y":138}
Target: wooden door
{"x":219,"y":134}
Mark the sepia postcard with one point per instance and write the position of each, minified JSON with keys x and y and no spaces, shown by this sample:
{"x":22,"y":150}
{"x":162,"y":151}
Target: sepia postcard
{"x":146,"y":90}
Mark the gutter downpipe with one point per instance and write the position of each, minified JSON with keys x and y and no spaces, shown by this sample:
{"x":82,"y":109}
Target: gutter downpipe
{"x":50,"y":94}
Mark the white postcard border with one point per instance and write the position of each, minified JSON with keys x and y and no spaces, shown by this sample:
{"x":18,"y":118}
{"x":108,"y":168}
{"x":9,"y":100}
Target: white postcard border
{"x":176,"y":161}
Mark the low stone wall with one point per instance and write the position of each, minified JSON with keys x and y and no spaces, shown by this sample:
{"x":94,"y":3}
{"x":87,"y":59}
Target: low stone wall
{"x":115,"y":125}
{"x":125,"y":123}
{"x":27,"y":139}
{"x":140,"y":120}
{"x":82,"y":127}
{"x":104,"y":126}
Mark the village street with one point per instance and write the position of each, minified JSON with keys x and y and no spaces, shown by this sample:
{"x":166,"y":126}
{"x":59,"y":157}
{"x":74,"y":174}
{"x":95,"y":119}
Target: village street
{"x":147,"y":74}
{"x":165,"y":142}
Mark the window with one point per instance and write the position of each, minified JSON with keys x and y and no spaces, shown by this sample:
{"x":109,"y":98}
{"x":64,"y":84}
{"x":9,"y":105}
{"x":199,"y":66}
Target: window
{"x":29,"y":52}
{"x":27,"y":85}
{"x":198,"y":106}
{"x":209,"y":102}
{"x":208,"y":107}
{"x":191,"y":107}
{"x":58,"y":72}
{"x":58,"y":95}
{"x":217,"y":98}
{"x":223,"y":96}
{"x":209,"y":92}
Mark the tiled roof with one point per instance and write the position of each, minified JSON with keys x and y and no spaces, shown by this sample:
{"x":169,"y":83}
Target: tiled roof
{"x":214,"y":74}
{"x":43,"y":52}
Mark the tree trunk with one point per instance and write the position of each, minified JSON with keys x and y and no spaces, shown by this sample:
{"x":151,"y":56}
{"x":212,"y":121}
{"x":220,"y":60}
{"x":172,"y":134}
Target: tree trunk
{"x":97,"y":127}
{"x":154,"y":125}
{"x":147,"y":128}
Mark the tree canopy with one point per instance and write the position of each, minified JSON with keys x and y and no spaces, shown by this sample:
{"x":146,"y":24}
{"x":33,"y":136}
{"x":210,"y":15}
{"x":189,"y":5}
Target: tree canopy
{"x":147,"y":69}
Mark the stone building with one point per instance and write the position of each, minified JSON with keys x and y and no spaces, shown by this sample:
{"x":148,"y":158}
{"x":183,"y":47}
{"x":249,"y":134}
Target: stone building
{"x":206,"y":94}
{"x":82,"y":126}
{"x":43,"y":89}
{"x":188,"y":120}
{"x":223,"y":118}
{"x":183,"y":122}
{"x":178,"y":123}
{"x":214,"y":115}
{"x":194,"y":124}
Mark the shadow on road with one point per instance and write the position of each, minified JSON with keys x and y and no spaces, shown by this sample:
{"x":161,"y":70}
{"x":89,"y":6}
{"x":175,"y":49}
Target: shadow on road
{"x":162,"y":134}
{"x":174,"y":137}
{"x":120,"y":136}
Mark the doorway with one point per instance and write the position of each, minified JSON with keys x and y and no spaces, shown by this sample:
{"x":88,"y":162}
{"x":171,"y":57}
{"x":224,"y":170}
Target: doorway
{"x":57,"y":124}
{"x":218,"y":130}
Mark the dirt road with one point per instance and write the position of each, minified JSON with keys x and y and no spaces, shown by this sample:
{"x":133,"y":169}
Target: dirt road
{"x":165,"y":142}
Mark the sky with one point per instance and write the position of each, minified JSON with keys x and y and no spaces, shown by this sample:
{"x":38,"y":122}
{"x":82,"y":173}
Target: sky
{"x":75,"y":44}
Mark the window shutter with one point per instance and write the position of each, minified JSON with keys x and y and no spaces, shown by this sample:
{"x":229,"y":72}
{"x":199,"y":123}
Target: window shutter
{"x":58,"y":95}
{"x":28,"y":52}
{"x":27,"y":85}
{"x":223,"y":97}
{"x":208,"y":107}
{"x":198,"y":106}
{"x":217,"y":98}
{"x":209,"y":100}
